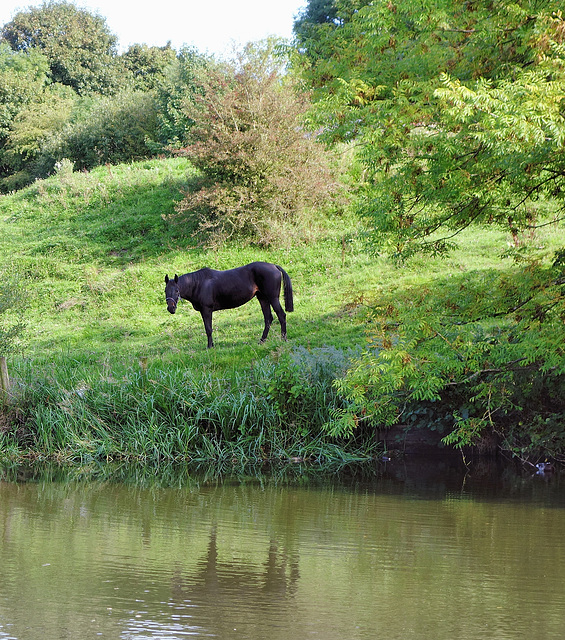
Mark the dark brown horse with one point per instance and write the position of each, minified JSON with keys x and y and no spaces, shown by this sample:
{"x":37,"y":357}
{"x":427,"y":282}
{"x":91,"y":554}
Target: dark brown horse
{"x":209,"y":290}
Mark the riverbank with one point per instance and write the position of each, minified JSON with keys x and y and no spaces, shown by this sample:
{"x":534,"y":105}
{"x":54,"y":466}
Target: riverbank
{"x":102,"y":371}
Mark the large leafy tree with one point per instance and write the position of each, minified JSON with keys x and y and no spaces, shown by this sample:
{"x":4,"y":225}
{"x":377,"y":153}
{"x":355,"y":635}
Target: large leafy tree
{"x":176,"y":91}
{"x":316,"y":13}
{"x":148,"y":65}
{"x":456,"y":110}
{"x":22,"y":77}
{"x":322,"y":34}
{"x":81,"y":50}
{"x":457,"y":114}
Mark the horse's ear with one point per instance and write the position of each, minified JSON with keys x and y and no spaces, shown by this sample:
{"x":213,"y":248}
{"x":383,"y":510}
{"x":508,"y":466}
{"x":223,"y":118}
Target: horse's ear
{"x":166,"y":279}
{"x":176,"y":278}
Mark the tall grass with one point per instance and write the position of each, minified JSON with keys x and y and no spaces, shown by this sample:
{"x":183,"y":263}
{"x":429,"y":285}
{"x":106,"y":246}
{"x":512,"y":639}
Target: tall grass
{"x":273,"y":410}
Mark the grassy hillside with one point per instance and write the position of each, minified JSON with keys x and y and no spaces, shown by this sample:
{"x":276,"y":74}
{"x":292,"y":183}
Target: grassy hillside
{"x":92,"y":251}
{"x":101,"y":355}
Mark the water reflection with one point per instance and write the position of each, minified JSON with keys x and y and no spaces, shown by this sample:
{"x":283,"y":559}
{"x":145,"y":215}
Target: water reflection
{"x":426,"y":477}
{"x":414,"y":549}
{"x":243,"y":591}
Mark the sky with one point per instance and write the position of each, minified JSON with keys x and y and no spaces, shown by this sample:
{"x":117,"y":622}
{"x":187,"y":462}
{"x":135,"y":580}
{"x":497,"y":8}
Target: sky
{"x":211,"y":26}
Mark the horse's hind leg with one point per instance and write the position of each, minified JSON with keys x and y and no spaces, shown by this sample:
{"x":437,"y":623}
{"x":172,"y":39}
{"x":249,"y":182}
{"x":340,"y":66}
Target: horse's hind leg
{"x":267,"y":315}
{"x":281,"y":315}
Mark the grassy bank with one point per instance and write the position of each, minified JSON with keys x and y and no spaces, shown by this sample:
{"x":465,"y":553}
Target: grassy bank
{"x":103,"y":371}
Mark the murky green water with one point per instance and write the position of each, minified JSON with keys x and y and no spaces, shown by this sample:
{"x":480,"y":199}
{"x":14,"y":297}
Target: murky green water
{"x":419,"y":551}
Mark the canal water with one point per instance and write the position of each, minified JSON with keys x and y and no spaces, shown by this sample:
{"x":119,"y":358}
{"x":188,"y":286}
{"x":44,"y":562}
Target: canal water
{"x":413,"y":549}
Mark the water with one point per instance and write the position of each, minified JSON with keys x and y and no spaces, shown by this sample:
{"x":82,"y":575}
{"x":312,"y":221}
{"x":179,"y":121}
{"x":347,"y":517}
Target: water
{"x":412,"y":551}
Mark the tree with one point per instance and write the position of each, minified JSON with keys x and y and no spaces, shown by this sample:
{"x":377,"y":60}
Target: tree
{"x":81,"y":50}
{"x":148,"y":65}
{"x":456,"y":112}
{"x":22,"y":78}
{"x":319,"y":33}
{"x":261,"y":168}
{"x":457,"y":115}
{"x":316,"y":12}
{"x":176,"y":94}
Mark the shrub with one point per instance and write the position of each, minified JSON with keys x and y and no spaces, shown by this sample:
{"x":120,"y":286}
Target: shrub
{"x":30,"y":131}
{"x":261,"y":168}
{"x":11,"y":305}
{"x":108,"y":130}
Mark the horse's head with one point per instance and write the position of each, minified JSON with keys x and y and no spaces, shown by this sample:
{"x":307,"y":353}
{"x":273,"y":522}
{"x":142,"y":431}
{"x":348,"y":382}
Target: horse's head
{"x":172,"y":293}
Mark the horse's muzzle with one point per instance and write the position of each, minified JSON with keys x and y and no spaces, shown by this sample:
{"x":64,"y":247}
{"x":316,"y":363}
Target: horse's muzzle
{"x":171,"y":309}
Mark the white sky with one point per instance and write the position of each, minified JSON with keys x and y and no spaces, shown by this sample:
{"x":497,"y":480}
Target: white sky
{"x":212,"y":26}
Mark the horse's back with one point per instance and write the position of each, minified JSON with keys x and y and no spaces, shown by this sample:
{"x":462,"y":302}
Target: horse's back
{"x":226,"y":289}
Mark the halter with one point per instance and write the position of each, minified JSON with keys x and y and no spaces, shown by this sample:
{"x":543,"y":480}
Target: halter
{"x":173,"y":300}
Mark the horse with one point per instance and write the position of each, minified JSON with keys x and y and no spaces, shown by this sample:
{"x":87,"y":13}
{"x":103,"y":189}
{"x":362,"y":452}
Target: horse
{"x":210,"y":290}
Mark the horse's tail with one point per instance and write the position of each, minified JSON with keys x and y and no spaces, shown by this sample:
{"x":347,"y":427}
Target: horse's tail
{"x":287,"y":288}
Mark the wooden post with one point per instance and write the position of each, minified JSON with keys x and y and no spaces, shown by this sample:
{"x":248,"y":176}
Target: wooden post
{"x":4,"y":380}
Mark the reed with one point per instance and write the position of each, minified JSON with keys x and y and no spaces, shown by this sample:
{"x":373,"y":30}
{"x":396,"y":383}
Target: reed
{"x":273,"y":410}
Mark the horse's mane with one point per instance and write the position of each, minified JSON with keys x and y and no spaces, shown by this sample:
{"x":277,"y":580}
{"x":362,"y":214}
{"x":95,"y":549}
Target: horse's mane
{"x":200,"y":275}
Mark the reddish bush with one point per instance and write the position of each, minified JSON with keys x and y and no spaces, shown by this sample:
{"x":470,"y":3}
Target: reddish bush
{"x":261,"y":169}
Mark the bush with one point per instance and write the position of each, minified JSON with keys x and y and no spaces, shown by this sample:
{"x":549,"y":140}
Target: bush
{"x":30,"y":131}
{"x":108,"y":130}
{"x":261,"y":168}
{"x":11,"y":305}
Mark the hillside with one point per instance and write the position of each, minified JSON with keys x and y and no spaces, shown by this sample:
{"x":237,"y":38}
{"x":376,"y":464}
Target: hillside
{"x":92,"y":250}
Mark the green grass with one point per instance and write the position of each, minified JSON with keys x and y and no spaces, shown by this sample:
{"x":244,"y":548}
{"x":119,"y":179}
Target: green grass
{"x":91,"y":251}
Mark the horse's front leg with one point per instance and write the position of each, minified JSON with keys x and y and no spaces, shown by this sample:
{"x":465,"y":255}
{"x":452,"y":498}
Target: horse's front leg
{"x":207,"y":319}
